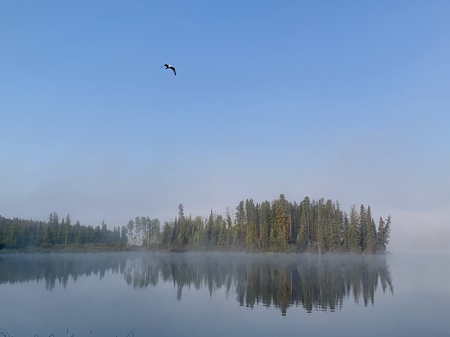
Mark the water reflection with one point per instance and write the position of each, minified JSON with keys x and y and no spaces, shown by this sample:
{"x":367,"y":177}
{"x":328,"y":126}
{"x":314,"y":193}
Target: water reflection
{"x":56,"y":268}
{"x":312,"y":282}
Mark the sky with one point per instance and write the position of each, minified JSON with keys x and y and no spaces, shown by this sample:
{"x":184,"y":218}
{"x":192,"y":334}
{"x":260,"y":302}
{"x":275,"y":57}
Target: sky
{"x":341,"y":100}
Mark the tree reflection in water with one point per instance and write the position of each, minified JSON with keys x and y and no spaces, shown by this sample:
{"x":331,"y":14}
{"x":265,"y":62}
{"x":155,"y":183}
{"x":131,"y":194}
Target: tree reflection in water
{"x":311,"y":281}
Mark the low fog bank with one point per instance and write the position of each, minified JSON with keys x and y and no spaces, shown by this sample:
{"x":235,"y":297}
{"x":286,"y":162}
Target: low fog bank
{"x":420,"y":232}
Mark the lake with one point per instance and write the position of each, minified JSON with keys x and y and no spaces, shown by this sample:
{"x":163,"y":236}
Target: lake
{"x":226,"y":294}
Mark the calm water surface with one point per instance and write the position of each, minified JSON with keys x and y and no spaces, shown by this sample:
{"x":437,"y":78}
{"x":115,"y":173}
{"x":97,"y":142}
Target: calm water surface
{"x":223,"y":295}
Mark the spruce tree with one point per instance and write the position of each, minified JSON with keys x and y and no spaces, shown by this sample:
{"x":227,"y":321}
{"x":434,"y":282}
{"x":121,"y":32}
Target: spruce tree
{"x":305,"y":224}
{"x":370,"y":232}
{"x":265,"y":224}
{"x":240,"y":238}
{"x":383,"y":234}
{"x":282,"y":222}
{"x":352,"y":233}
{"x":363,"y":227}
{"x":251,"y":224}
{"x":321,"y":227}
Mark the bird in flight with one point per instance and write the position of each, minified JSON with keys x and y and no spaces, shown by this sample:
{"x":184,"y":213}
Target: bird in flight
{"x":168,"y":66}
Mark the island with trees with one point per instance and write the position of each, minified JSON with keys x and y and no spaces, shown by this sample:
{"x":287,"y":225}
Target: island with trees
{"x":277,"y":226}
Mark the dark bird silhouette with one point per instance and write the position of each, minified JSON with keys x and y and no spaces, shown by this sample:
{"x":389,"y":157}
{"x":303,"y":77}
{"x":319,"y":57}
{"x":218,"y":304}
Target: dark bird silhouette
{"x":168,"y":66}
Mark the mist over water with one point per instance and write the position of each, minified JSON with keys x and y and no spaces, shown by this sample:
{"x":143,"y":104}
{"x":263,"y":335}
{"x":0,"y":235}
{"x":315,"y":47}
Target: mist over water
{"x":170,"y":294}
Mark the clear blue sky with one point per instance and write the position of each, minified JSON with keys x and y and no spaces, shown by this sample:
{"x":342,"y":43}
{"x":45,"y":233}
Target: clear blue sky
{"x":345,"y":100}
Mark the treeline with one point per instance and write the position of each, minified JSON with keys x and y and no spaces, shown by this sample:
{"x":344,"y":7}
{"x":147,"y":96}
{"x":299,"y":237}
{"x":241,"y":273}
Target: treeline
{"x":18,"y":233}
{"x":281,"y":226}
{"x":314,"y":226}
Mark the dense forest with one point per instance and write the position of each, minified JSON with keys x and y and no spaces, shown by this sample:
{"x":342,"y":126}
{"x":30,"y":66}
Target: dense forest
{"x":280,"y":226}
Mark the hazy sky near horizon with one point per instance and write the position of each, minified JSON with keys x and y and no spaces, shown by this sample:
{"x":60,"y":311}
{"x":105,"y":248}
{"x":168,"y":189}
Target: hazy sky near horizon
{"x":342,"y":100}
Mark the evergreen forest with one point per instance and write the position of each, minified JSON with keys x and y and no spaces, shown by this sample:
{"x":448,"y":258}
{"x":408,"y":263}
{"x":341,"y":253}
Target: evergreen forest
{"x":277,"y":226}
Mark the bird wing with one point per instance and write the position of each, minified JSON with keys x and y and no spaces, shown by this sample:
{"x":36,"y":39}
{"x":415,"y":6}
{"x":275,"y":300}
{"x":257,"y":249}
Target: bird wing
{"x":174,"y":71}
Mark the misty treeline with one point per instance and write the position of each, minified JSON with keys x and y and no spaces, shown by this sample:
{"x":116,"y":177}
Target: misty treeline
{"x":18,"y":233}
{"x":309,"y":226}
{"x":313,"y":226}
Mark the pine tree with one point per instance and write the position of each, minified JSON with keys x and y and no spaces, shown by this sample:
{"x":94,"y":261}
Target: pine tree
{"x":222,"y":237}
{"x":199,"y":231}
{"x":387,"y":230}
{"x":251,"y":224}
{"x":174,"y":235}
{"x":334,"y":219}
{"x":229,"y":228}
{"x":370,"y":231}
{"x":104,"y":232}
{"x":216,"y":229}
{"x":363,"y":227}
{"x":265,"y":224}
{"x":210,"y":231}
{"x":282,"y":222}
{"x":66,"y":229}
{"x":321,"y":227}
{"x":352,"y":233}
{"x":305,"y":224}
{"x":183,"y":235}
{"x":296,"y":218}
{"x":383,"y":234}
{"x":240,"y":226}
